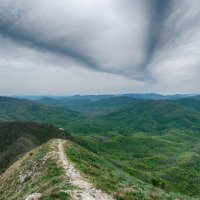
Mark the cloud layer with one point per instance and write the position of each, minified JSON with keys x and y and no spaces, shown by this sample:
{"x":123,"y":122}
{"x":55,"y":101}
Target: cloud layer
{"x":142,"y":45}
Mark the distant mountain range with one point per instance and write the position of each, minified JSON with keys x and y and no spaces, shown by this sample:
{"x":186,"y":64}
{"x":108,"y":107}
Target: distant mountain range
{"x":152,"y":96}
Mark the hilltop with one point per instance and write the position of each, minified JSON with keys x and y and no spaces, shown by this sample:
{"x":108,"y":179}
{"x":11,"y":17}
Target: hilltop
{"x":64,"y":170}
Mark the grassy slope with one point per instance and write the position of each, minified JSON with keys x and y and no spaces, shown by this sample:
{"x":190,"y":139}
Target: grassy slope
{"x":170,"y":160}
{"x":16,"y":138}
{"x":112,"y":179}
{"x":40,"y":172}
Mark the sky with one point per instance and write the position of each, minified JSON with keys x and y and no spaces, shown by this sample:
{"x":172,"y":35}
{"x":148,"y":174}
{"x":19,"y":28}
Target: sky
{"x":68,"y":47}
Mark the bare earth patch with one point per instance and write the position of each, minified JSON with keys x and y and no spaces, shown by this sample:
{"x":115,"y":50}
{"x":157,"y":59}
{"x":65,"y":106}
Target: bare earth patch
{"x":34,"y":196}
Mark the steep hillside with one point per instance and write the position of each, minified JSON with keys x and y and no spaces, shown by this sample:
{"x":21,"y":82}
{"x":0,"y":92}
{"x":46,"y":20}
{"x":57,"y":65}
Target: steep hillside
{"x":64,"y":170}
{"x":18,"y":138}
{"x":37,"y":174}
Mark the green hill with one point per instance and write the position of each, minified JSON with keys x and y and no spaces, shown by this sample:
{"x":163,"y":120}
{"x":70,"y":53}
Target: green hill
{"x":18,"y":138}
{"x":151,"y":116}
{"x":91,"y":108}
{"x":123,"y":114}
{"x":12,"y":109}
{"x":41,"y":173}
{"x":156,"y":141}
{"x":170,"y":160}
{"x":189,"y":103}
{"x":36,"y":172}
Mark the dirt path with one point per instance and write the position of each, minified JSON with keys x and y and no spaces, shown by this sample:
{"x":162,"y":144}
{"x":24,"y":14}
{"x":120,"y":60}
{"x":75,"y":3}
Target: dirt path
{"x":85,"y":190}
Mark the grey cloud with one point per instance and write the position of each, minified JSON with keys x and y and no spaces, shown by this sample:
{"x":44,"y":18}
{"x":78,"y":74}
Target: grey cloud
{"x":154,"y":41}
{"x":104,"y":35}
{"x":177,"y":58}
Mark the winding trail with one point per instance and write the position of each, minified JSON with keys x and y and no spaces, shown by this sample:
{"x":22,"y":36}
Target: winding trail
{"x":86,"y":190}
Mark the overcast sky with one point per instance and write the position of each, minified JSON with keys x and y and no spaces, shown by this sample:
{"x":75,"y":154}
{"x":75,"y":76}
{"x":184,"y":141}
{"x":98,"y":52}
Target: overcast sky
{"x":65,"y":47}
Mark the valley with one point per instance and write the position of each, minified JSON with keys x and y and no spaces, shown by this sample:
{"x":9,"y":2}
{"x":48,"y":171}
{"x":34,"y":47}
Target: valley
{"x":125,"y":147}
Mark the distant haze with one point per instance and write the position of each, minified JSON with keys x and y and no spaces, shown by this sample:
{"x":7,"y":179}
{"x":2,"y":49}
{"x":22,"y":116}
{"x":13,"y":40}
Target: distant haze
{"x":99,"y":47}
